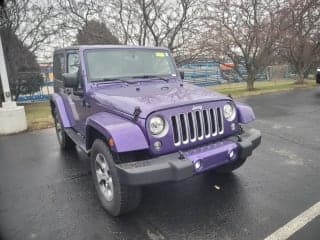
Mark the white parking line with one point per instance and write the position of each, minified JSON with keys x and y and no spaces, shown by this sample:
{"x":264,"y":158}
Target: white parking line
{"x":295,"y":224}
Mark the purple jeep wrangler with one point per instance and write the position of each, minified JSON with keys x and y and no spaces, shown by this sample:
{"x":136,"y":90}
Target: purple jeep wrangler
{"x":130,"y":111}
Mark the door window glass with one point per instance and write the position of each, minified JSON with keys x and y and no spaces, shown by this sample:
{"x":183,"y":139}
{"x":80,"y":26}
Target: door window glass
{"x":73,"y":62}
{"x":58,"y":66}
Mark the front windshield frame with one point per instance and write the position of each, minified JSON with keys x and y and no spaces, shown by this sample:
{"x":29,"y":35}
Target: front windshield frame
{"x":172,"y":74}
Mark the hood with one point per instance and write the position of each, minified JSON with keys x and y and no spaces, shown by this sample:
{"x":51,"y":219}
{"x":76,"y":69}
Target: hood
{"x":152,"y":97}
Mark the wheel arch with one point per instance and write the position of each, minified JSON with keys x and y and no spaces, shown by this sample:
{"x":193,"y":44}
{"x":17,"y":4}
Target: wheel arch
{"x":92,"y":134}
{"x":245,"y":113}
{"x":126,"y":135}
{"x":56,"y":102}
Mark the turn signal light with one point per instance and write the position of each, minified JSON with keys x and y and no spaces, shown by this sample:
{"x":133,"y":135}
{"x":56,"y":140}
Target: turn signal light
{"x":110,"y":142}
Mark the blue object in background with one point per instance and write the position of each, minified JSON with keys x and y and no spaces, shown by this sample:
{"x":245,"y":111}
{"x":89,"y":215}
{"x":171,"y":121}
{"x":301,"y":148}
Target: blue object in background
{"x":206,"y":72}
{"x":38,"y":96}
{"x":202,"y":72}
{"x":33,"y":98}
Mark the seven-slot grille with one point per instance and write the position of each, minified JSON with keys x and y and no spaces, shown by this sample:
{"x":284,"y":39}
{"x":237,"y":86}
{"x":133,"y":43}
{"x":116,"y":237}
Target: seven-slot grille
{"x":197,"y":125}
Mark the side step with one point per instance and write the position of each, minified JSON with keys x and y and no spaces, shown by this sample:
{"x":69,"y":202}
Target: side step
{"x":77,"y":138}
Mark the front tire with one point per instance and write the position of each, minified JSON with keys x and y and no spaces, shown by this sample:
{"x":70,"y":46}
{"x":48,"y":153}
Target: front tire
{"x":64,"y":140}
{"x":115,"y":197}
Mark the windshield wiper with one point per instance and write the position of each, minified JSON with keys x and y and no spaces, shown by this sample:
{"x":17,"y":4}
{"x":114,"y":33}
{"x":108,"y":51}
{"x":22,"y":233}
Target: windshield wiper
{"x":122,"y":80}
{"x":153,"y":76}
{"x":113,"y":80}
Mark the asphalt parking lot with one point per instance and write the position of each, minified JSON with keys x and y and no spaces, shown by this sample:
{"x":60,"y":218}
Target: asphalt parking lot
{"x":48,"y":194}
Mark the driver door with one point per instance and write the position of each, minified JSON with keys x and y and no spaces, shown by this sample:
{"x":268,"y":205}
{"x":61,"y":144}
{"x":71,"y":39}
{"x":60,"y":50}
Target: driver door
{"x":72,"y":99}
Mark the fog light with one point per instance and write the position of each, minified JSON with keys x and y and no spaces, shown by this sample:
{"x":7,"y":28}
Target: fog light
{"x":233,"y":126}
{"x":197,"y":165}
{"x":157,"y":145}
{"x":232,"y":154}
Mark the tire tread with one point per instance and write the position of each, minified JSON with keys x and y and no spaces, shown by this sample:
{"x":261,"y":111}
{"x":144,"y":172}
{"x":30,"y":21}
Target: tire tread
{"x":129,"y":196}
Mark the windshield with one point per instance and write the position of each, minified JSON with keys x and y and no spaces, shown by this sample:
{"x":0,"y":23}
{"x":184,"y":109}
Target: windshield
{"x":109,"y":64}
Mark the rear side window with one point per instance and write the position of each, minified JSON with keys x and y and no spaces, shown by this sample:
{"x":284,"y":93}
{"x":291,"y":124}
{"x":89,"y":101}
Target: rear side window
{"x":58,"y":66}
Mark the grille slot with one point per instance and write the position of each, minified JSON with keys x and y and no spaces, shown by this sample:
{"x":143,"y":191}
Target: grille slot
{"x":206,"y":123}
{"x":213,"y":121}
{"x":184,"y":130}
{"x":220,"y":124}
{"x":197,"y":125}
{"x":176,"y":137}
{"x":191,"y":127}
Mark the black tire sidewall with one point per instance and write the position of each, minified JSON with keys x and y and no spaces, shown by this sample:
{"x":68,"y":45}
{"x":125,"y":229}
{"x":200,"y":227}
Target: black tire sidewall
{"x":65,"y":141}
{"x":62,"y":140}
{"x":113,"y":206}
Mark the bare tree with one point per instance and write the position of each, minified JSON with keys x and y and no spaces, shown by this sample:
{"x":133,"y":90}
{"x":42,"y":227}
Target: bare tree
{"x":300,"y":43}
{"x":30,"y":21}
{"x":246,"y":32}
{"x":167,"y":21}
{"x":128,"y":19}
{"x":94,"y":32}
{"x":143,"y":22}
{"x":173,"y":24}
{"x":23,"y":69}
{"x":76,"y":14}
{"x":80,"y":18}
{"x":25,"y":26}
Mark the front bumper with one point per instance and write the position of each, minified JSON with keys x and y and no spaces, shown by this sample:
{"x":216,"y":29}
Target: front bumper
{"x":180,"y":165}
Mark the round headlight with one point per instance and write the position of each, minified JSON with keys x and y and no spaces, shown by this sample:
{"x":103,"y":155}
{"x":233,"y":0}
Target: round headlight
{"x":156,"y":125}
{"x":229,"y":112}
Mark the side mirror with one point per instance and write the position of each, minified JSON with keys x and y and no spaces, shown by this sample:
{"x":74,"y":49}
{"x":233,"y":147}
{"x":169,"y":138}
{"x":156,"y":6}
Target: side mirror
{"x":181,"y":74}
{"x":70,"y":80}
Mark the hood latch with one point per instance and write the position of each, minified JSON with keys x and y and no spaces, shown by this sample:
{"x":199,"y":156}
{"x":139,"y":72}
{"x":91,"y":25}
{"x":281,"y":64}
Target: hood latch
{"x":136,"y":112}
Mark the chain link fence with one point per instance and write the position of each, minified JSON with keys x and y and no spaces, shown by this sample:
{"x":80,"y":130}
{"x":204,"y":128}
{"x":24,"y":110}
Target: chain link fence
{"x":210,"y":72}
{"x":201,"y":73}
{"x":31,"y":87}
